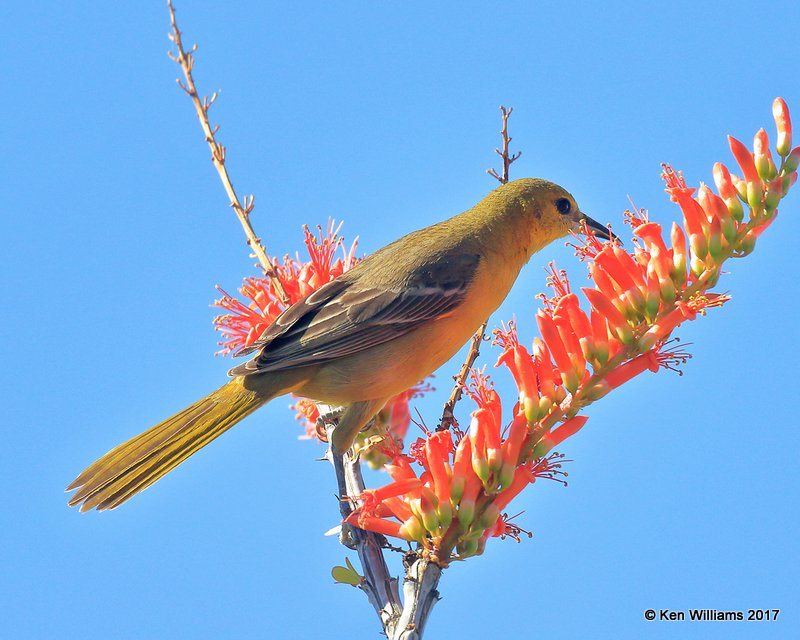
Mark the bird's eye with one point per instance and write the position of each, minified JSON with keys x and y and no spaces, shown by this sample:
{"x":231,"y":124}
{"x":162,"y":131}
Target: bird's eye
{"x":563,"y":205}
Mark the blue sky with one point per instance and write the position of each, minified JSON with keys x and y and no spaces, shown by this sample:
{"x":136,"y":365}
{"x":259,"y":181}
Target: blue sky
{"x":115,"y":230}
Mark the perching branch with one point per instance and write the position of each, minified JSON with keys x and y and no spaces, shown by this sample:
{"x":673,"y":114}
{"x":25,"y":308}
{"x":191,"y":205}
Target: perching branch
{"x":186,"y":61}
{"x":419,"y":596}
{"x":404,"y":621}
{"x":507,"y":159}
{"x":381,"y":588}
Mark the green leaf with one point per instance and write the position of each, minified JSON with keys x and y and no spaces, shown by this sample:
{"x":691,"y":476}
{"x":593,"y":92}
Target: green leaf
{"x":346,"y":575}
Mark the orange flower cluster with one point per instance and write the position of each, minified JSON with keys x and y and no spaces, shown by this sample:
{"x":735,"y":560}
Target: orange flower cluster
{"x":456,"y":502}
{"x":638,"y":299}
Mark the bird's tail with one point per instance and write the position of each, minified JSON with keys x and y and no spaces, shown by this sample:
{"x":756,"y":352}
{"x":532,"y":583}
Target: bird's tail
{"x":139,"y":462}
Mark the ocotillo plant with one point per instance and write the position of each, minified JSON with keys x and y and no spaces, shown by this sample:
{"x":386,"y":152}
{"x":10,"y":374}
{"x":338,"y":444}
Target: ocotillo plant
{"x":450,"y":489}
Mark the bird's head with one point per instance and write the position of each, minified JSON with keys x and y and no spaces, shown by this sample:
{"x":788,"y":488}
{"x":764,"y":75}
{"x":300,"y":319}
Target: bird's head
{"x":543,"y":211}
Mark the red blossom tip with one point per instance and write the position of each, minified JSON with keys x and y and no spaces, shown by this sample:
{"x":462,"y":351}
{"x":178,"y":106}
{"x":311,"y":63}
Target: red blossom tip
{"x":507,"y":529}
{"x":505,"y":336}
{"x":635,"y":217}
{"x":671,"y":354}
{"x":674,"y":182}
{"x":588,"y":244}
{"x":479,"y":387}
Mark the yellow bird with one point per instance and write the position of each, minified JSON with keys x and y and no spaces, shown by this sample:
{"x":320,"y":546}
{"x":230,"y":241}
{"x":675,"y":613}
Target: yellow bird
{"x":357,"y":341}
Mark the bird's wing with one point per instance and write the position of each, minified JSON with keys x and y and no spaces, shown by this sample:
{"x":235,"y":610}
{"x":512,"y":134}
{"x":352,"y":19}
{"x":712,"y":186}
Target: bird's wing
{"x":344,"y":317}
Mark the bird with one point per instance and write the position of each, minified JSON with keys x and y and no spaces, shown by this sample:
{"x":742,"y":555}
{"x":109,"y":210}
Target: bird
{"x":364,"y":337}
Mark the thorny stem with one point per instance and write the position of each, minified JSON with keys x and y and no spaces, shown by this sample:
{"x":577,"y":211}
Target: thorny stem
{"x":404,"y":621}
{"x":186,"y":61}
{"x":448,"y":417}
{"x":507,"y":158}
{"x":419,"y":596}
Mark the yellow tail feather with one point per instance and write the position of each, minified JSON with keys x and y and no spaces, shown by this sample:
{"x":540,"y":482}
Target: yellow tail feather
{"x":139,"y":462}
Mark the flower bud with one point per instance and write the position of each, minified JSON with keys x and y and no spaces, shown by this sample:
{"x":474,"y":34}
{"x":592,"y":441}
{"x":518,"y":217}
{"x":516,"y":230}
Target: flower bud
{"x":697,"y":266}
{"x":506,"y":475}
{"x":530,"y":407}
{"x":678,"y":239}
{"x":457,"y":488}
{"x":698,"y":245}
{"x":713,"y":277}
{"x":466,"y":511}
{"x":748,"y":243}
{"x":745,"y":159}
{"x":722,"y":178}
{"x":413,"y":529}
{"x":665,"y":326}
{"x":792,"y":162}
{"x":715,"y":245}
{"x":598,"y":390}
{"x":754,"y":193}
{"x":616,"y":321}
{"x":552,"y":338}
{"x":545,"y":374}
{"x":715,"y":207}
{"x":783,"y":123}
{"x":570,"y":380}
{"x":462,"y":462}
{"x":762,"y":157}
{"x":467,"y":548}
{"x":740,"y":186}
{"x":653,"y":298}
{"x":477,"y":434}
{"x":667,"y":289}
{"x":437,"y":454}
{"x":444,"y":512}
{"x":600,"y":335}
{"x":517,"y":432}
{"x":724,"y":182}
{"x":773,"y":195}
{"x":786,"y":183}
{"x":427,"y":508}
{"x":696,"y":224}
{"x":480,"y":465}
{"x":489,"y":516}
{"x":650,"y":233}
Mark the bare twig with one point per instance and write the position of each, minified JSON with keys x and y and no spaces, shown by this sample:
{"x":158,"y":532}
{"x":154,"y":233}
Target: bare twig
{"x":404,"y":621}
{"x":507,"y":159}
{"x":448,"y":417}
{"x":186,"y":61}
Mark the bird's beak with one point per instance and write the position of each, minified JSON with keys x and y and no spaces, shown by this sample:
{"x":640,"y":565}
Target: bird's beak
{"x":601,"y":231}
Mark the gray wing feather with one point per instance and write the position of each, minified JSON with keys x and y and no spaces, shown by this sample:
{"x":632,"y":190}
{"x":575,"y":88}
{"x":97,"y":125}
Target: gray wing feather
{"x":339,"y":320}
